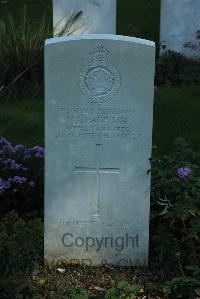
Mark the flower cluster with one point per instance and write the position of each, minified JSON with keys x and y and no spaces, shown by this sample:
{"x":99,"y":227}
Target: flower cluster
{"x":184,"y":173}
{"x":12,"y":164}
{"x":6,"y":147}
{"x":38,"y":151}
{"x":21,"y":176}
{"x":8,"y":155}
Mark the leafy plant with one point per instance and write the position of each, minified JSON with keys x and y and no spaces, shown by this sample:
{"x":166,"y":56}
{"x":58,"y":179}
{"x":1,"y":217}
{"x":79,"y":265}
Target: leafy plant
{"x":174,"y":69}
{"x":21,"y":50}
{"x":175,"y":206}
{"x":187,"y":284}
{"x":19,"y":287}
{"x":175,"y":215}
{"x":122,"y":289}
{"x":21,"y":245}
{"x":63,"y":291}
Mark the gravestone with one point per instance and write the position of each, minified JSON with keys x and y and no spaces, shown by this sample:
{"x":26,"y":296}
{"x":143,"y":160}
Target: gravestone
{"x":180,"y":26}
{"x":99,"y":107}
{"x":98,"y":16}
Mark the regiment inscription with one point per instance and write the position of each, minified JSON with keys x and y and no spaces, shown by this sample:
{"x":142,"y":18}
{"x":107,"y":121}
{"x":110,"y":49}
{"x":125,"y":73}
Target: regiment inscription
{"x":96,"y":123}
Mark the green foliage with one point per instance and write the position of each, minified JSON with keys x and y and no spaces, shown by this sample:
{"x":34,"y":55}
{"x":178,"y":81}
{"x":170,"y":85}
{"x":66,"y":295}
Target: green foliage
{"x":122,"y":289}
{"x":175,"y":206}
{"x":18,"y":287}
{"x":175,"y":219}
{"x":63,"y":290}
{"x":188,"y":284}
{"x":35,"y":9}
{"x":22,"y":48}
{"x":21,"y":51}
{"x":21,"y":245}
{"x":175,"y":230}
{"x":174,"y":69}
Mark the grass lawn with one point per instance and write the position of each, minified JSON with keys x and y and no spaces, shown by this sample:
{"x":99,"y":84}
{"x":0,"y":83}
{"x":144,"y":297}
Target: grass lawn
{"x":176,"y":114}
{"x":22,"y":118}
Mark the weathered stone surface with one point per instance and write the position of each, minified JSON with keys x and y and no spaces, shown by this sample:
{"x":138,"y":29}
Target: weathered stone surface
{"x":98,"y":16}
{"x":180,"y":26}
{"x":99,"y":107}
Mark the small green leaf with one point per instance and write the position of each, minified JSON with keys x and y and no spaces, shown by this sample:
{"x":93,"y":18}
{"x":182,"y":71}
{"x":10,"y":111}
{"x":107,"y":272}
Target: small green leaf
{"x":122,"y":284}
{"x":112,"y":293}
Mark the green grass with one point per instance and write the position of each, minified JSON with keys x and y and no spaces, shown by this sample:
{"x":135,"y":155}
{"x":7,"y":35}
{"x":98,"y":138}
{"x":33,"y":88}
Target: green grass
{"x":22,"y":118}
{"x":176,"y":114}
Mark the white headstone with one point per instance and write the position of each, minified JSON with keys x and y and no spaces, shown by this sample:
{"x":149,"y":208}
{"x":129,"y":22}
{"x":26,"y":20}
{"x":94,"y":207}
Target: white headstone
{"x":180,"y":26}
{"x":98,"y":16}
{"x":99,"y":107}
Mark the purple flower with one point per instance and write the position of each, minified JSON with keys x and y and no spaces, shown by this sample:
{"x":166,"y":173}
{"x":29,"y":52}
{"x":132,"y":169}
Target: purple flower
{"x":18,"y":147}
{"x":184,"y":173}
{"x":32,"y":184}
{"x":19,"y":180}
{"x":12,"y":164}
{"x":39,"y":151}
{"x":4,"y":141}
{"x":7,"y":148}
{"x":4,"y":185}
{"x":27,"y":154}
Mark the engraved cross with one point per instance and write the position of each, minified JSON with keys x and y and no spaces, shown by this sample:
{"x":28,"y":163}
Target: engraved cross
{"x":98,"y":171}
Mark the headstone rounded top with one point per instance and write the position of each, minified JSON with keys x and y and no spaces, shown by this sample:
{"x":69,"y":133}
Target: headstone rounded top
{"x":99,"y":37}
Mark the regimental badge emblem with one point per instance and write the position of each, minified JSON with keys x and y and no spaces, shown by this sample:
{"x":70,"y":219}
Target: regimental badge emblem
{"x":99,"y":80}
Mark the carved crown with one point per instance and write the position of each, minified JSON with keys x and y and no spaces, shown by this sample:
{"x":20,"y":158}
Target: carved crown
{"x":100,"y":53}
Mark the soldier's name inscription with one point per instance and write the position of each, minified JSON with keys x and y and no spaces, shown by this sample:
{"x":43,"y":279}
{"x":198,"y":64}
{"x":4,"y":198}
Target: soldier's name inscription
{"x":95,"y":123}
